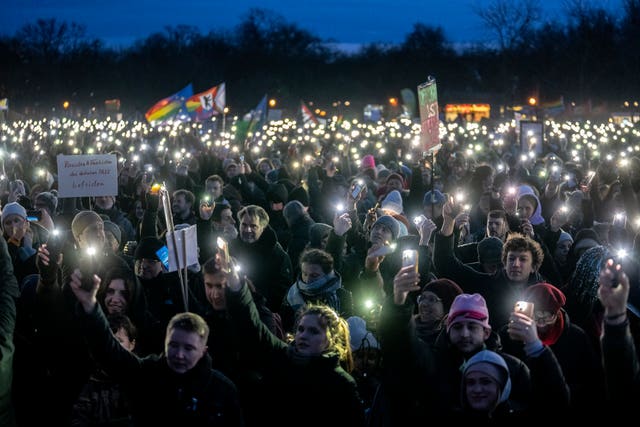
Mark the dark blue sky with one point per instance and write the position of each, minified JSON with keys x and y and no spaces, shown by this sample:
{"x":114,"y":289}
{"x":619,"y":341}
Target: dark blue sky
{"x":345,"y":21}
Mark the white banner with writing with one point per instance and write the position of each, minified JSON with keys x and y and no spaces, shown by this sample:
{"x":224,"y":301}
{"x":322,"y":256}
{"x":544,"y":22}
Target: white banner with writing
{"x":87,"y":175}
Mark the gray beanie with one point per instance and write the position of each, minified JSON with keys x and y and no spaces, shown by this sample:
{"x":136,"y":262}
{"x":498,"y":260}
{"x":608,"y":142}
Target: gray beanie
{"x":490,"y":250}
{"x":317,"y":232}
{"x":114,"y":229}
{"x":391,"y":223}
{"x":49,"y":200}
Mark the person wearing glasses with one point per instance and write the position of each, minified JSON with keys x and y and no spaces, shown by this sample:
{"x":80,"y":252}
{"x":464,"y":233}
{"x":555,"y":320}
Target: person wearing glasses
{"x":424,"y":377}
{"x":432,"y":307}
{"x":572,"y":347}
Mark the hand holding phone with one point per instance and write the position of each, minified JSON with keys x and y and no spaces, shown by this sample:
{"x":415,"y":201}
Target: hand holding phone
{"x":55,"y":243}
{"x":410,"y":258}
{"x":356,"y":189}
{"x":223,"y":252}
{"x":88,"y":267}
{"x":525,"y":308}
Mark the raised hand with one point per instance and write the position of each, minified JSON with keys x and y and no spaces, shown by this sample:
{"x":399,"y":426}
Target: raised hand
{"x":405,"y":281}
{"x":85,"y":290}
{"x":341,"y":224}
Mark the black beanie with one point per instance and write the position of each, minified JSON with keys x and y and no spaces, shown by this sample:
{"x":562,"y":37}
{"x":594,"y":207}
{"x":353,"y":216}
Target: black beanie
{"x":147,"y":248}
{"x":490,"y":250}
{"x":277,"y":193}
{"x":301,"y":195}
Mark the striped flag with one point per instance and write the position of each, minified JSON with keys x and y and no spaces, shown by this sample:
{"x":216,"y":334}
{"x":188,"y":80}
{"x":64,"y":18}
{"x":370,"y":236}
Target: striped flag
{"x":307,"y":114}
{"x":170,"y":106}
{"x":4,"y":104}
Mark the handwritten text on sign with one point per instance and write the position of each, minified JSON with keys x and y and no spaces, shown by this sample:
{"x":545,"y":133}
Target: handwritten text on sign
{"x":87,"y":175}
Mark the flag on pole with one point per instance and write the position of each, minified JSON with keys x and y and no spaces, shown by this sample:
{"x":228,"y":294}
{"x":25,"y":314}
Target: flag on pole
{"x":205,"y":104}
{"x":4,"y":104}
{"x":170,"y":106}
{"x":258,"y":115}
{"x":307,"y":114}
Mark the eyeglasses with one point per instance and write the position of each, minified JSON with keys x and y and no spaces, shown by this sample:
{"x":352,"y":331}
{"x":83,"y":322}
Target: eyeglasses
{"x":544,"y":316}
{"x":428,"y":299}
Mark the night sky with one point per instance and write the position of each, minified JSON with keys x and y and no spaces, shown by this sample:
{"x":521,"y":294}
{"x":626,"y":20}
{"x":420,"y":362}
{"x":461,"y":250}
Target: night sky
{"x":119,"y":22}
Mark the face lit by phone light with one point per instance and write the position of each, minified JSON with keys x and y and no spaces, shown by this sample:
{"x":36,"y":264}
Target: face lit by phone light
{"x":93,"y":235}
{"x":15,"y":227}
{"x":183,"y":349}
{"x":116,"y":298}
{"x":519,"y":265}
{"x":380,"y":234}
{"x":214,"y":285}
{"x":311,"y":336}
{"x":250,"y":228}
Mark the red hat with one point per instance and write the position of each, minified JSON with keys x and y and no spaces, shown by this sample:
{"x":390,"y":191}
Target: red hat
{"x":368,"y":162}
{"x":545,"y":297}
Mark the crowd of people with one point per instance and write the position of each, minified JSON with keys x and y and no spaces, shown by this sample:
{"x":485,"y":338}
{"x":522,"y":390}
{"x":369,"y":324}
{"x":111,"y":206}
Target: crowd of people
{"x":343,"y":276}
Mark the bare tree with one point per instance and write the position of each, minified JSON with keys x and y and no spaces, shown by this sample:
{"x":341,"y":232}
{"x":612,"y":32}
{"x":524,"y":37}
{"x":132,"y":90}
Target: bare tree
{"x":511,"y":21}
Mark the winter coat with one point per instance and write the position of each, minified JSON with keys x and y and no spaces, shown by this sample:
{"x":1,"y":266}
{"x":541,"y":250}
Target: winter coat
{"x":313,"y":390}
{"x":159,"y":396}
{"x":266,"y":264}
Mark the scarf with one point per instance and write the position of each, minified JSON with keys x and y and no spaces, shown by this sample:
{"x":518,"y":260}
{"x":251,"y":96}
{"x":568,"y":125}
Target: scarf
{"x":553,"y":333}
{"x":321,"y":290}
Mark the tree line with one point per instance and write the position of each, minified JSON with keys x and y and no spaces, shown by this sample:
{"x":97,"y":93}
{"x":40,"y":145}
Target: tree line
{"x":592,"y":56}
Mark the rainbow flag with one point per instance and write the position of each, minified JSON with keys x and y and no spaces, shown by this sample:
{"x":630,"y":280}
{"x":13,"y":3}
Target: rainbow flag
{"x":554,"y":107}
{"x":205,"y":104}
{"x":170,"y":106}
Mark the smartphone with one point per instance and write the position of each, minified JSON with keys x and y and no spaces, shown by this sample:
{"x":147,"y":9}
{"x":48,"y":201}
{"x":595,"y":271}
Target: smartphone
{"x":206,"y":200}
{"x":163,"y":255}
{"x":242,"y":158}
{"x":55,"y":242}
{"x":410,"y":258}
{"x":88,"y":267}
{"x":525,"y":308}
{"x":224,"y":254}
{"x":34,"y":215}
{"x":356,"y":189}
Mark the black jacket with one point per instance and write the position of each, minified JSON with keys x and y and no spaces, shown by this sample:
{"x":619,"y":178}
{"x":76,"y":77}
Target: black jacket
{"x":314,"y":391}
{"x":159,"y":396}
{"x":266,"y":264}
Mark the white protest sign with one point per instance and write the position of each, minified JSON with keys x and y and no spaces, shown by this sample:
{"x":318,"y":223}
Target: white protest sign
{"x":186,"y":246}
{"x":87,"y":175}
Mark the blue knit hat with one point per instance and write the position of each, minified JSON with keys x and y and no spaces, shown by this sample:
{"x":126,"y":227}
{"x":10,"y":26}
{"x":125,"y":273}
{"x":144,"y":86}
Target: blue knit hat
{"x":391,"y":223}
{"x":14,"y":208}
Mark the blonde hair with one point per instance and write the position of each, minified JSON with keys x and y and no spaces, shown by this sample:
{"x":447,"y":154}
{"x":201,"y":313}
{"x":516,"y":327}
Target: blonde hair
{"x":337,"y":330}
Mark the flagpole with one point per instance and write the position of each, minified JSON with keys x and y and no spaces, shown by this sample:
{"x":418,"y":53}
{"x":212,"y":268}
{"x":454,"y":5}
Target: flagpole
{"x":168,"y":217}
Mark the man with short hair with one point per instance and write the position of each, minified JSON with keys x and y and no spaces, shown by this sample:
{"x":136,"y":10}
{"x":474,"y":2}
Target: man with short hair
{"x":181,"y":381}
{"x":521,"y":259}
{"x":261,"y":257}
{"x":182,"y":207}
{"x":106,"y":205}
